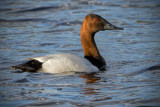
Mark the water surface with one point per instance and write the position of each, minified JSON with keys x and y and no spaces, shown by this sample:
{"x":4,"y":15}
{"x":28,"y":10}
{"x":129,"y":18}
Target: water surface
{"x":40,"y":27}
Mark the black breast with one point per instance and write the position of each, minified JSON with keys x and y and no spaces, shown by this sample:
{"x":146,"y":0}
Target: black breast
{"x":99,"y":62}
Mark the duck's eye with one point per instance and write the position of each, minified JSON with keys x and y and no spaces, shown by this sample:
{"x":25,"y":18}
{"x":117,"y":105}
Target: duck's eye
{"x":96,"y":19}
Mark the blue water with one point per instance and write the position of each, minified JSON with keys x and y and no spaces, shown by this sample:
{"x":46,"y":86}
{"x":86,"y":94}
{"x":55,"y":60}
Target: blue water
{"x":40,"y":27}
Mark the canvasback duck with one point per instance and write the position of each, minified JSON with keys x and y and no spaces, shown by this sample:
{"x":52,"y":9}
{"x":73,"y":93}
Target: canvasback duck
{"x":92,"y":60}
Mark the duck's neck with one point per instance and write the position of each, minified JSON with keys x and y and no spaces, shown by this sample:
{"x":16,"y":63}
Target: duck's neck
{"x":89,"y":45}
{"x":91,"y":51}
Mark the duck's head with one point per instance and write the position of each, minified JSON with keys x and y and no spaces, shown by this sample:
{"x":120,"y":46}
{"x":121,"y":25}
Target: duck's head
{"x":93,"y":23}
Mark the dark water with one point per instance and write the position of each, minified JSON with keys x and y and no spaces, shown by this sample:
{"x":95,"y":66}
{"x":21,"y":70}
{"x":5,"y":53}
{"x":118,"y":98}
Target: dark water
{"x":35,"y":28}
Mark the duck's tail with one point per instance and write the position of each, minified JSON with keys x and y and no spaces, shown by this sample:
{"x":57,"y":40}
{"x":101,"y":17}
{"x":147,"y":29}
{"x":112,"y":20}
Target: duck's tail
{"x":29,"y":66}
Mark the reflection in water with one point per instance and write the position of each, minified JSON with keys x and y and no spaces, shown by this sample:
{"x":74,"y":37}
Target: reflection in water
{"x":89,"y":91}
{"x":90,"y":79}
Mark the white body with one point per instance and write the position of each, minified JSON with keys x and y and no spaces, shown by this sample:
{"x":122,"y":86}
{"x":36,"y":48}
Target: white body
{"x":60,"y":63}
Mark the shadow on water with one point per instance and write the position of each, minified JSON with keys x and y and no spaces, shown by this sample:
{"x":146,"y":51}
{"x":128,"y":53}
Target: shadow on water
{"x":152,"y":68}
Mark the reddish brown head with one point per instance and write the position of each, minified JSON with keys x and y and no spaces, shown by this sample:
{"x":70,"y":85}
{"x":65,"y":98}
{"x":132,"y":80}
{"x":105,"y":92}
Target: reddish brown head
{"x":94,"y":23}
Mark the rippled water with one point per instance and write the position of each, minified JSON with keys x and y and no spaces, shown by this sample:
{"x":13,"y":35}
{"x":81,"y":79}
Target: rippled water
{"x":35,"y":28}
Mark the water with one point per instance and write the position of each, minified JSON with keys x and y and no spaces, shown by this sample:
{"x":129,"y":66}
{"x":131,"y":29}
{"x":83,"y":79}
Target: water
{"x":40,"y":27}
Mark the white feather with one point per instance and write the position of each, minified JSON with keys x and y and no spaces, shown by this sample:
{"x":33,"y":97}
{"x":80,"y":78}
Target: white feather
{"x":59,"y":63}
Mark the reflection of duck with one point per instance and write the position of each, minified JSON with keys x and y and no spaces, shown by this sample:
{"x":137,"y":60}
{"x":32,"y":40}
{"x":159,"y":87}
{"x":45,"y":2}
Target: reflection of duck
{"x":91,"y":89}
{"x":92,"y":60}
{"x":90,"y":78}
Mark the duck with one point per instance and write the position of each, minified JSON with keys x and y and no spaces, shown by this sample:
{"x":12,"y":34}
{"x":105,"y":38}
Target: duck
{"x":66,"y":62}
